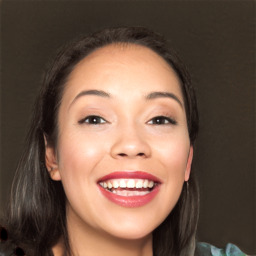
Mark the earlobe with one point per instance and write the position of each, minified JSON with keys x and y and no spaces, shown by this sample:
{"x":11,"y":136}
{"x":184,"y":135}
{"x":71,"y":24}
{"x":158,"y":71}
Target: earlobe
{"x":189,"y":163}
{"x":54,"y":174}
{"x":51,"y":161}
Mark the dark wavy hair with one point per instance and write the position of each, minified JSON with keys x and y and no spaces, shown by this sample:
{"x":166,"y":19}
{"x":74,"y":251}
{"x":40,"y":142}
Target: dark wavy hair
{"x":37,"y":214}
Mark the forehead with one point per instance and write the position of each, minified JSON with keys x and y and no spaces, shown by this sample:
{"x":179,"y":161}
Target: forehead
{"x":123,"y":53}
{"x":124,"y":66}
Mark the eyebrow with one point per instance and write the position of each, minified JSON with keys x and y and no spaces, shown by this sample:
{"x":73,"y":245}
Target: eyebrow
{"x":90,"y":92}
{"x":156,"y":95}
{"x":150,"y":96}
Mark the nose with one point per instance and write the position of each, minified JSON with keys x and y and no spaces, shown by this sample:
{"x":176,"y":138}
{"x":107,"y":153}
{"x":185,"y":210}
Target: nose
{"x":130,"y":144}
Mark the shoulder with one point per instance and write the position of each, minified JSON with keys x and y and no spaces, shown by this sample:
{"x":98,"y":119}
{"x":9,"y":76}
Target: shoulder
{"x":205,"y":249}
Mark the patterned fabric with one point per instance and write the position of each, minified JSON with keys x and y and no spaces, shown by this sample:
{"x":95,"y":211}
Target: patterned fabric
{"x":205,"y":249}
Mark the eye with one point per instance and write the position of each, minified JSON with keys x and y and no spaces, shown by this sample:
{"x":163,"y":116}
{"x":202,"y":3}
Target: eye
{"x":162,"y":120}
{"x":94,"y":120}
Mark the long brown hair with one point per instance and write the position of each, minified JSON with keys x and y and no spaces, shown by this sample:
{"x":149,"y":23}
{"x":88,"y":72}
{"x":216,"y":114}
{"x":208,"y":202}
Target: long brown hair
{"x":37,"y":215}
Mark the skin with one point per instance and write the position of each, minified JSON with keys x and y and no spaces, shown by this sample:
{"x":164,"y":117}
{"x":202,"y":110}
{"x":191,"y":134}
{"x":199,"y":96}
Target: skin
{"x":127,"y":138}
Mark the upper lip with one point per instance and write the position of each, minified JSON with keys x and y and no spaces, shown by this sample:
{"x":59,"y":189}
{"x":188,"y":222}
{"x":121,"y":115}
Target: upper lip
{"x":129,"y":175}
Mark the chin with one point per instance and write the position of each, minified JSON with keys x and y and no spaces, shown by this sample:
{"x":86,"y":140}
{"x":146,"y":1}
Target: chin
{"x":133,"y":228}
{"x":131,"y":234}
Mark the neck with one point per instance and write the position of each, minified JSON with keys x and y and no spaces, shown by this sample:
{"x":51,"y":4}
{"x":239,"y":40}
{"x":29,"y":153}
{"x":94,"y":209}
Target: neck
{"x":86,"y":240}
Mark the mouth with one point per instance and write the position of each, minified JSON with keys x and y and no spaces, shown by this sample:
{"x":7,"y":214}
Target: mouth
{"x":129,"y":189}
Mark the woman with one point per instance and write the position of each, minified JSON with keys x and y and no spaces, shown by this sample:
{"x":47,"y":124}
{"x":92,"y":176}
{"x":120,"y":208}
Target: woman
{"x":107,"y":165}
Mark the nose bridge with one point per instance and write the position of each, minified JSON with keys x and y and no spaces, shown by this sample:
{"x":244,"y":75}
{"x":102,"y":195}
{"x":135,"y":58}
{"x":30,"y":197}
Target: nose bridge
{"x":130,"y":141}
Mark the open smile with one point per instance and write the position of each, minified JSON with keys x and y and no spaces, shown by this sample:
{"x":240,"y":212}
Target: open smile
{"x":129,"y":189}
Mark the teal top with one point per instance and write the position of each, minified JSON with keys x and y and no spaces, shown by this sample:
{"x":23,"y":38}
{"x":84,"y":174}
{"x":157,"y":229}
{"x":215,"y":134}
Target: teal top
{"x":204,"y":249}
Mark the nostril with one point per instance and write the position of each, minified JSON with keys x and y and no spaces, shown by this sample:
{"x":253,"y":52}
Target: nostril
{"x":122,"y":154}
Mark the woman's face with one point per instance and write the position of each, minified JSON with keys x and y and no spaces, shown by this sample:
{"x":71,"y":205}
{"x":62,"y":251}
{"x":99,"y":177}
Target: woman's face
{"x":122,"y":124}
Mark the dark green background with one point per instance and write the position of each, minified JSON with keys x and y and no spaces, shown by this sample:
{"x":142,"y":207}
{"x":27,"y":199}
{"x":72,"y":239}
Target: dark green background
{"x":216,"y":39}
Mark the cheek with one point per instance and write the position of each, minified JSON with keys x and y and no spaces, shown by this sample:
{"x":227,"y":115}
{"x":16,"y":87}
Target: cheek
{"x":79,"y":157}
{"x":174,"y":153}
{"x":78,"y":154}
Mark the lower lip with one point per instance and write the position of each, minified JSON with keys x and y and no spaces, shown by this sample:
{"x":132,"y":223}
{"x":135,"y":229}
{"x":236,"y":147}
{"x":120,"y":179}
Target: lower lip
{"x":130,"y":201}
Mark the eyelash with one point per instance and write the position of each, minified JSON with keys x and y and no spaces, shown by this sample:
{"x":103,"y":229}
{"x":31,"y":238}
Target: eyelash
{"x":92,"y":120}
{"x":98,"y":120}
{"x":164,"y":120}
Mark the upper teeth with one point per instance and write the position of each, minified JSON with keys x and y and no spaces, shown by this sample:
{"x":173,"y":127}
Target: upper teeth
{"x":127,"y":183}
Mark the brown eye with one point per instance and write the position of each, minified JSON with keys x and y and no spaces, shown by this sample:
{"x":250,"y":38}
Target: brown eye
{"x":162,"y":120}
{"x":94,"y":120}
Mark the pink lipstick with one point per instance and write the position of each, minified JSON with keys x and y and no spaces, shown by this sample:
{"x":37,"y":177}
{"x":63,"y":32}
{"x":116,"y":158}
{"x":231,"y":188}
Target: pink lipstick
{"x":129,"y":189}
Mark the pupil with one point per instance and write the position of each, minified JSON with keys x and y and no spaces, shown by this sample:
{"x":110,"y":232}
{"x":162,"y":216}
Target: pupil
{"x":158,"y":120}
{"x":95,"y":120}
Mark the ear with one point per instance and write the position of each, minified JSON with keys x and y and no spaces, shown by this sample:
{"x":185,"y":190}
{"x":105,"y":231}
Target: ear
{"x":189,"y":163}
{"x":51,"y":161}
